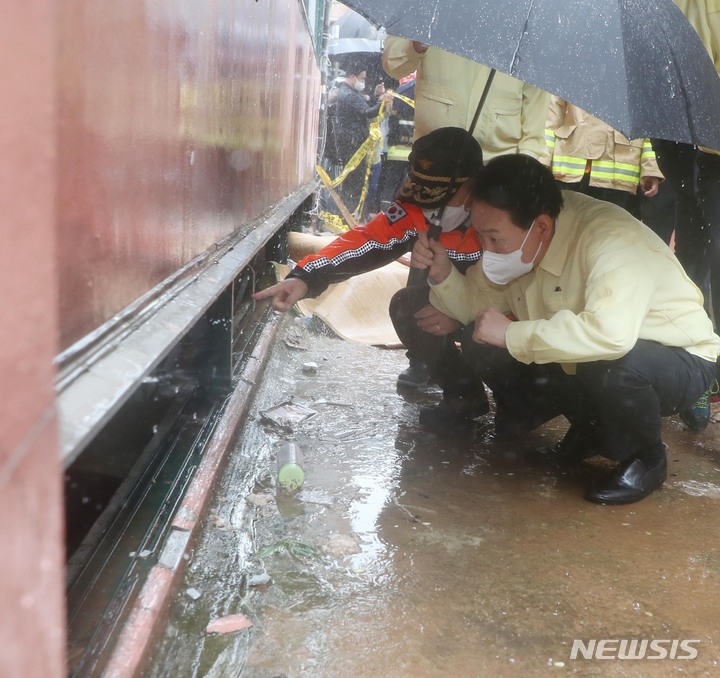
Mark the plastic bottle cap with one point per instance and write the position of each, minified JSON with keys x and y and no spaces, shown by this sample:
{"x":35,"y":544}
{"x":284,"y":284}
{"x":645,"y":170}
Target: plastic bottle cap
{"x":291,"y":477}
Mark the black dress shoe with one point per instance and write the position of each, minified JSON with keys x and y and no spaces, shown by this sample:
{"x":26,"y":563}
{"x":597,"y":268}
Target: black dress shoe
{"x":632,"y":480}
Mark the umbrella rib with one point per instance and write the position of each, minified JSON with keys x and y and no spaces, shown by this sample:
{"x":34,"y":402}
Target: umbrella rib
{"x":522,"y":32}
{"x":434,"y":17}
{"x":681,"y":86}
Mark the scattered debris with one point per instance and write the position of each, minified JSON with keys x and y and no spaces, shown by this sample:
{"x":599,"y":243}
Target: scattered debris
{"x":259,"y":579}
{"x":260,"y":500}
{"x":219,"y":522}
{"x":412,"y":517}
{"x":229,"y":624}
{"x":296,"y":549}
{"x":294,"y":339}
{"x":288,"y":414}
{"x":322,"y":402}
{"x":337,"y":545}
{"x":696,"y":488}
{"x":143,"y":554}
{"x":193,"y":593}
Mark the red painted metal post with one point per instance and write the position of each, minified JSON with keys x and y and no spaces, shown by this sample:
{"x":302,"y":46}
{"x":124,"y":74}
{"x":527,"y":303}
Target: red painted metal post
{"x":32,"y":585}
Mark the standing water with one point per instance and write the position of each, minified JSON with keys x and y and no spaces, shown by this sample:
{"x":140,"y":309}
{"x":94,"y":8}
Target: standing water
{"x":406,"y":554}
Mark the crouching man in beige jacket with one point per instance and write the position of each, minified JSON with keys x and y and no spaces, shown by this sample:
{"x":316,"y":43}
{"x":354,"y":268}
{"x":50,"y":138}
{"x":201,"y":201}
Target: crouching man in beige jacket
{"x":579,"y":310}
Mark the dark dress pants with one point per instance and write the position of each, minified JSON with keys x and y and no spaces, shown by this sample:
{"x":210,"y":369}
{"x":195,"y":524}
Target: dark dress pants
{"x":695,"y":178}
{"x":620,"y":401}
{"x":441,"y":354}
{"x":709,"y":195}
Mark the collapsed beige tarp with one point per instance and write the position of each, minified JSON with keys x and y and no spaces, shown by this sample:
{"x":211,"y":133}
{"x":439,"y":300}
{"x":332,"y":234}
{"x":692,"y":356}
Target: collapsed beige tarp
{"x":357,"y":309}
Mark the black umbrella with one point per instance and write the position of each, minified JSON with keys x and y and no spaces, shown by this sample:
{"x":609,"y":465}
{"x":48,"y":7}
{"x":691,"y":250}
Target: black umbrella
{"x":636,"y":64}
{"x":354,"y":46}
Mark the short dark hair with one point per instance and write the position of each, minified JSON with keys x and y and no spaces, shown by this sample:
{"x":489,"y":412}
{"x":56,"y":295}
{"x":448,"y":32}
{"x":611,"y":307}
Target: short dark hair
{"x":519,"y":185}
{"x":354,"y":65}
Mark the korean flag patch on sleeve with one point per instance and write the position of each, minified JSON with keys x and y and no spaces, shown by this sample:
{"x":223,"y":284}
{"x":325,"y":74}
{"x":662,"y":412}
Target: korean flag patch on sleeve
{"x":395,"y":212}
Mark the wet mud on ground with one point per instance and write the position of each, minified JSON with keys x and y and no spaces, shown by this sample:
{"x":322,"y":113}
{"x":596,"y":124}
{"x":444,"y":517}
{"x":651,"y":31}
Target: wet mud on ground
{"x":409,"y":554}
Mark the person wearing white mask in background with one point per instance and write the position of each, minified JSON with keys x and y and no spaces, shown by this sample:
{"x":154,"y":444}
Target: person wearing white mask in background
{"x":353,"y":113}
{"x":441,"y":164}
{"x":576,"y":309}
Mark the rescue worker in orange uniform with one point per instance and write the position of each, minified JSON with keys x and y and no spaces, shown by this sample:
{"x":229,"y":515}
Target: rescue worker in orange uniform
{"x":441,"y":164}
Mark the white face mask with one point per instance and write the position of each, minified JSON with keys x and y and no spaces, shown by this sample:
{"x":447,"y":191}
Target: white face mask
{"x":359,"y":85}
{"x":502,"y":268}
{"x":453,"y":216}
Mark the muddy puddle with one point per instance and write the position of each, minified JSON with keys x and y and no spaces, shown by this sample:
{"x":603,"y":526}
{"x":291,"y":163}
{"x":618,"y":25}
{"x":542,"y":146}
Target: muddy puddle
{"x":408,"y":554}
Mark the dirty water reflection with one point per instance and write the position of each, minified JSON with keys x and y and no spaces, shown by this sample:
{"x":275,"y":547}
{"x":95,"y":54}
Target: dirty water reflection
{"x":407,"y":554}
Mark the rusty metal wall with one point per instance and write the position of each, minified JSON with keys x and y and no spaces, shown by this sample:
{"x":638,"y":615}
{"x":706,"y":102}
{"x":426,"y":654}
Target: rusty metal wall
{"x":178,"y":121}
{"x":32,"y":621}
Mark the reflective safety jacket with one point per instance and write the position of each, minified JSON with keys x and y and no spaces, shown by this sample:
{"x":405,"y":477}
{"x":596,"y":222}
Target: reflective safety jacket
{"x":382,"y":240}
{"x":575,"y":137}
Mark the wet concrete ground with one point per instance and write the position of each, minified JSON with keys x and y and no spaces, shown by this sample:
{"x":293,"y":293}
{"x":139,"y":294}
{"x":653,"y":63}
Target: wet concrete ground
{"x":407,"y":554}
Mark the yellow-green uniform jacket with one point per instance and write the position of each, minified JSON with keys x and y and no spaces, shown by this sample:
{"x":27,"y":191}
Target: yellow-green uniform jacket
{"x":704,"y":15}
{"x":574,"y":136}
{"x":605,"y":281}
{"x":447,"y":91}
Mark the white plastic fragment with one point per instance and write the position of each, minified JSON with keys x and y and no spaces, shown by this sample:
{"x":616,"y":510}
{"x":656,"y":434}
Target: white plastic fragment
{"x":259,"y":579}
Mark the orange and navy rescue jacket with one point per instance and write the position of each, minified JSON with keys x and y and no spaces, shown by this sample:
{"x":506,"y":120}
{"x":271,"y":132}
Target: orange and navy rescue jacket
{"x":383,"y":239}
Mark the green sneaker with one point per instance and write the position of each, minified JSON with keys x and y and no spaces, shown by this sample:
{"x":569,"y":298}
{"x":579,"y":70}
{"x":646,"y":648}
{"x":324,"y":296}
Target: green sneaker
{"x":697,"y":417}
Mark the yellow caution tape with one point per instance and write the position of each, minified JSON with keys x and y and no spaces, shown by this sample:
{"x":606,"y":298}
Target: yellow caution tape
{"x":366,"y":150}
{"x":333,"y":222}
{"x":324,"y":176}
{"x":409,"y":102}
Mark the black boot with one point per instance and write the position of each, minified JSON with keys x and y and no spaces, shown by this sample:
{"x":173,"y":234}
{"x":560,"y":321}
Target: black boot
{"x":455,"y":414}
{"x":416,"y":375}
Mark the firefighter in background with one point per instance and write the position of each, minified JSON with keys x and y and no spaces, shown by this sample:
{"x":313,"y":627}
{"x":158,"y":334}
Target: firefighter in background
{"x":589,"y":156}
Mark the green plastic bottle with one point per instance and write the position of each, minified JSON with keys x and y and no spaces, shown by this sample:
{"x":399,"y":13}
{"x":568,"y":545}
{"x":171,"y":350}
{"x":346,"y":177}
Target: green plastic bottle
{"x":290,"y":473}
